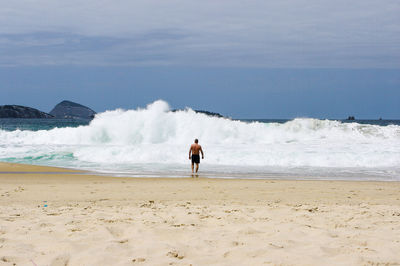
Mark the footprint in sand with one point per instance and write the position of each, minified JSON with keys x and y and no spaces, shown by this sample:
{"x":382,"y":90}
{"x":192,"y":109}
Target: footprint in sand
{"x":46,"y":225}
{"x":114,"y":231}
{"x":61,"y":260}
{"x":123,"y":241}
{"x":19,"y":189}
{"x":250,"y":231}
{"x":276,"y":246}
{"x":8,"y":259}
{"x":175,"y":254}
{"x":331,"y":251}
{"x":236,"y":243}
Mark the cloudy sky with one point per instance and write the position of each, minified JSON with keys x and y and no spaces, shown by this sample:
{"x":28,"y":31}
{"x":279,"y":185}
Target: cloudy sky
{"x":198,"y":38}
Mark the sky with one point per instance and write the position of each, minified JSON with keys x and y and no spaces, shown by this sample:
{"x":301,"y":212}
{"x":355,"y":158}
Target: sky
{"x":244,"y":59}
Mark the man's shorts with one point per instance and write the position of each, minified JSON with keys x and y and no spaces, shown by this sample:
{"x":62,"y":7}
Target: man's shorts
{"x":196,"y":158}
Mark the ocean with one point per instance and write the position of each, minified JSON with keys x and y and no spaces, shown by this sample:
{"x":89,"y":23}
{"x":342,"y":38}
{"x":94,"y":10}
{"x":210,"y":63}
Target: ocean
{"x":153,"y":142}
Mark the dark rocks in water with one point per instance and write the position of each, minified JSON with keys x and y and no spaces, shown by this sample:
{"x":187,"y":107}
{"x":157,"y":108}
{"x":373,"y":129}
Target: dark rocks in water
{"x":351,"y":118}
{"x":71,"y":110}
{"x":209,"y":113}
{"x":18,"y":111}
{"x":202,"y":112}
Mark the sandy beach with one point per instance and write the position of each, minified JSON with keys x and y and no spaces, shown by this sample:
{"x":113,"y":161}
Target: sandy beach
{"x":52,"y":216}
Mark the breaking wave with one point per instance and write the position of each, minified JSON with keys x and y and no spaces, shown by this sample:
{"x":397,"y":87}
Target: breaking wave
{"x":156,"y":135}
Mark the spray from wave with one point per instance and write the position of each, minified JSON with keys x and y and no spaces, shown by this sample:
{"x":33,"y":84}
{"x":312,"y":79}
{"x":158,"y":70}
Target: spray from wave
{"x":154,"y":135}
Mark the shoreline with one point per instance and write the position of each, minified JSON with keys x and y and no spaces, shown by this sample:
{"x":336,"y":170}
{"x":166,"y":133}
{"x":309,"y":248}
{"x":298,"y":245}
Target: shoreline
{"x":19,"y":168}
{"x":85,"y":219}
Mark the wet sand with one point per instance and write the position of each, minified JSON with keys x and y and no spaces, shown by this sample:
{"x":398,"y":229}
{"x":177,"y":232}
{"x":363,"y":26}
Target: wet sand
{"x":50,"y":218}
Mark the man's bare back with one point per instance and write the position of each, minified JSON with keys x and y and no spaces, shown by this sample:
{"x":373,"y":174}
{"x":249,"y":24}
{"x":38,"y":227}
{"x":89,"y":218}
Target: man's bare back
{"x":195,"y":148}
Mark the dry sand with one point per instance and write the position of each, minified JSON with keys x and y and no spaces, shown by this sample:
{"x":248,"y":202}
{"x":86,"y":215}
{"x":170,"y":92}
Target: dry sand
{"x":95,"y":220}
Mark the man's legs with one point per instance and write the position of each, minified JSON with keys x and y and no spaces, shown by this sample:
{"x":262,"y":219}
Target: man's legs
{"x":192,"y":166}
{"x":197,"y":167}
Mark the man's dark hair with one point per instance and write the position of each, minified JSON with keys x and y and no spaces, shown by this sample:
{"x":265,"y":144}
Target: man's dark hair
{"x":196,"y":141}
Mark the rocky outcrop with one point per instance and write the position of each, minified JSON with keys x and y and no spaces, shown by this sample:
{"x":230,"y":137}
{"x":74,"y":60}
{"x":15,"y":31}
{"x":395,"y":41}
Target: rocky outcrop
{"x":18,"y":111}
{"x":71,"y":110}
{"x":202,"y":112}
{"x":208,"y":113}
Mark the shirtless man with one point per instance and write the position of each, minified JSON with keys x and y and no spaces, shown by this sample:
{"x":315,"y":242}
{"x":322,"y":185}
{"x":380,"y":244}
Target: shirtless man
{"x":194,"y":150}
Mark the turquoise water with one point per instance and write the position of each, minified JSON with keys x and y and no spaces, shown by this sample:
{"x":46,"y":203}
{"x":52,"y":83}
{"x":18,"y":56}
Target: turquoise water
{"x":11,"y":124}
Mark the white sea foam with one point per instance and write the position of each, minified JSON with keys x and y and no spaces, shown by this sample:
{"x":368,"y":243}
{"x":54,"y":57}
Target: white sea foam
{"x":154,"y":135}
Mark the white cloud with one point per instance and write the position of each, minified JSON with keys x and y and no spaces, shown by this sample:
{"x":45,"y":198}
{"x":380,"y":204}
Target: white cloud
{"x":284,"y":33}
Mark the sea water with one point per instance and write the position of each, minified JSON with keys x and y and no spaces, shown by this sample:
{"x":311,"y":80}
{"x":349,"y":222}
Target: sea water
{"x":153,"y":141}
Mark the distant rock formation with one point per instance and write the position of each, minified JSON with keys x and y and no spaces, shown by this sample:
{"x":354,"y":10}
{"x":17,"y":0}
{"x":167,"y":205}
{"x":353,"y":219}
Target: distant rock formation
{"x":18,"y":111}
{"x":71,"y":110}
{"x":209,"y":113}
{"x":202,"y":112}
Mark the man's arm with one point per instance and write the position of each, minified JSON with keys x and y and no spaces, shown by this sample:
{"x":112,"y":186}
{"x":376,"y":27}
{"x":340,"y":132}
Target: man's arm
{"x":190,"y":153}
{"x":202,"y":153}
